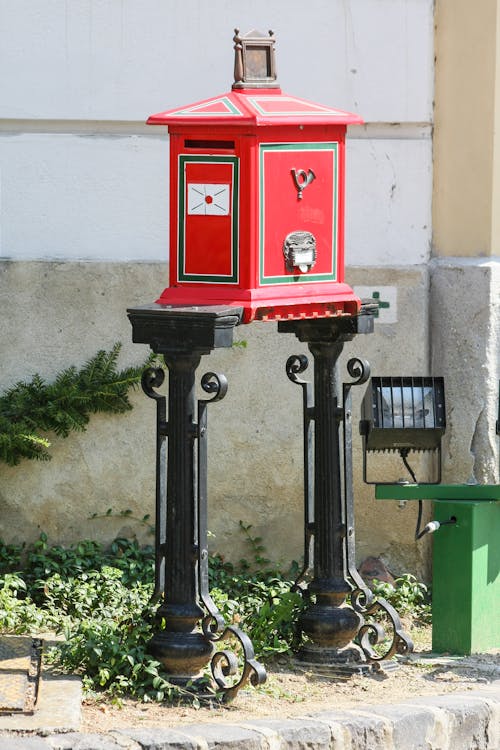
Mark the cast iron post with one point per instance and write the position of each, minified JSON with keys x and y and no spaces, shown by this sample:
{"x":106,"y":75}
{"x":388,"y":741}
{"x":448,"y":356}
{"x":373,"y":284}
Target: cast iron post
{"x":329,"y":622}
{"x":192,"y":623}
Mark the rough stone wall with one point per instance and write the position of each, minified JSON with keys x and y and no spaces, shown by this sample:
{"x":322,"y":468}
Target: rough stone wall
{"x":58,"y":314}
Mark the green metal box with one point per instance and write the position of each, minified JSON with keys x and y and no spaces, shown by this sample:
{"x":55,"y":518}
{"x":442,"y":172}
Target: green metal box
{"x":466,"y":577}
{"x":466,"y":564}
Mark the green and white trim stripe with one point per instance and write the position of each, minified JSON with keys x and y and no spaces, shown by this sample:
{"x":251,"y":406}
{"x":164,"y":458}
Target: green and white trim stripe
{"x":331,"y":274}
{"x":204,"y":109}
{"x":233,"y":277}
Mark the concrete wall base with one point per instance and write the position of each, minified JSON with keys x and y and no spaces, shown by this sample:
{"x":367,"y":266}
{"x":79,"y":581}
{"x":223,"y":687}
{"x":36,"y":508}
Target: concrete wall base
{"x":465,"y":333}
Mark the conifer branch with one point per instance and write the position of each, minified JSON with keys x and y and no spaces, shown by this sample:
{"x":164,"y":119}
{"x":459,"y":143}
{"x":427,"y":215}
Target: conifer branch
{"x":28,"y":410}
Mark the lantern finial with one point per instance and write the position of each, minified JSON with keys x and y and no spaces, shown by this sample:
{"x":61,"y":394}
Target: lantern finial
{"x":254,"y":60}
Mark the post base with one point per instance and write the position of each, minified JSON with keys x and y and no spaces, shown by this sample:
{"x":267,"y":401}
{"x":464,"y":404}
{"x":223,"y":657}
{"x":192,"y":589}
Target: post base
{"x":182,"y":655}
{"x":330,"y":623}
{"x":333,"y":662}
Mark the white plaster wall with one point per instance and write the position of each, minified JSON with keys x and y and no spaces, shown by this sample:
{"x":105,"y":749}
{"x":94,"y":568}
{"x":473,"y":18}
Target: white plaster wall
{"x":81,"y":177}
{"x":123,"y":59}
{"x":104,"y":197}
{"x":388,"y":196}
{"x":86,"y":197}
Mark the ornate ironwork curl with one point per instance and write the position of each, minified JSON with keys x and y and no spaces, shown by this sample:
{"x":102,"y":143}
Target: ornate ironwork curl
{"x":152,"y":377}
{"x":362,"y":599}
{"x":359,"y":369}
{"x":295,"y":365}
{"x":212,"y":624}
{"x":216,"y":384}
{"x":373,"y":634}
{"x":225,"y":663}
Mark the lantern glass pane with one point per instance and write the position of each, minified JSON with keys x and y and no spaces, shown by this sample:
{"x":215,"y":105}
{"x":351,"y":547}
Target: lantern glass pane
{"x":406,"y":406}
{"x":257,"y":62}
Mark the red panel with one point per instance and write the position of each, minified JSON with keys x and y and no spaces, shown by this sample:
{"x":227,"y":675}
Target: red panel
{"x":208,"y":238}
{"x":289,"y":105}
{"x":284,"y":212}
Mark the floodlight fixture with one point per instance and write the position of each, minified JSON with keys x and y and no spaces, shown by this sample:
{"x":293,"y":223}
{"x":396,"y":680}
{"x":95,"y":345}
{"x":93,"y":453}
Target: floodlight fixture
{"x":403,"y":414}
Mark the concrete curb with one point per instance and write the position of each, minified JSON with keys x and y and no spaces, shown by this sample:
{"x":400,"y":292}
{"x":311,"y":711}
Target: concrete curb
{"x":455,"y":721}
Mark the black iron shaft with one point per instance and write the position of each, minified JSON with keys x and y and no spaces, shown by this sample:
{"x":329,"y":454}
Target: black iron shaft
{"x":180,"y":645}
{"x":329,"y":567}
{"x":328,"y":621}
{"x":181,"y":581}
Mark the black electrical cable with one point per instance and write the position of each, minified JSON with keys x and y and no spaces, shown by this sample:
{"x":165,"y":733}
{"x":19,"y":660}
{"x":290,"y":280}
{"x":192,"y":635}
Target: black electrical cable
{"x":403,"y":452}
{"x":432,"y":526}
{"x":418,"y":533}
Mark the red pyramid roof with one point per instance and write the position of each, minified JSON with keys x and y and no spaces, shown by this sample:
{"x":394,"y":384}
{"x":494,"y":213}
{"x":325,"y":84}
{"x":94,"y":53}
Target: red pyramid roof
{"x":255,"y":107}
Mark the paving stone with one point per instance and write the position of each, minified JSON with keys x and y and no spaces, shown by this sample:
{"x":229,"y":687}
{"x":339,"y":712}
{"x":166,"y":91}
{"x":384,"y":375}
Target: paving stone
{"x":225,"y":737}
{"x":160,"y":739}
{"x":469,"y":721}
{"x":472,"y":720}
{"x":271,"y":738}
{"x":296,"y":734}
{"x":11,"y":742}
{"x":365,"y":732}
{"x":491,"y":694}
{"x":58,"y":706}
{"x":123,"y":742}
{"x":78,"y":741}
{"x":413,"y":727}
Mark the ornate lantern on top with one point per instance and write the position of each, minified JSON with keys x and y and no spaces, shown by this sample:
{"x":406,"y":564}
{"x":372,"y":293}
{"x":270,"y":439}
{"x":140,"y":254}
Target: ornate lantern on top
{"x":257,"y":197}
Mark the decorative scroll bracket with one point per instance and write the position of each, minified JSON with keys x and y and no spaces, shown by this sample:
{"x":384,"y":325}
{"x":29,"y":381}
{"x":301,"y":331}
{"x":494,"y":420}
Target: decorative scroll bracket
{"x":363,"y":601}
{"x":154,"y":377}
{"x":295,"y":366}
{"x":224,"y":663}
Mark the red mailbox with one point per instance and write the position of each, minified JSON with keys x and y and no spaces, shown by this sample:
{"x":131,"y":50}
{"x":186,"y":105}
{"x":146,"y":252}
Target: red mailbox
{"x":257,"y":197}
